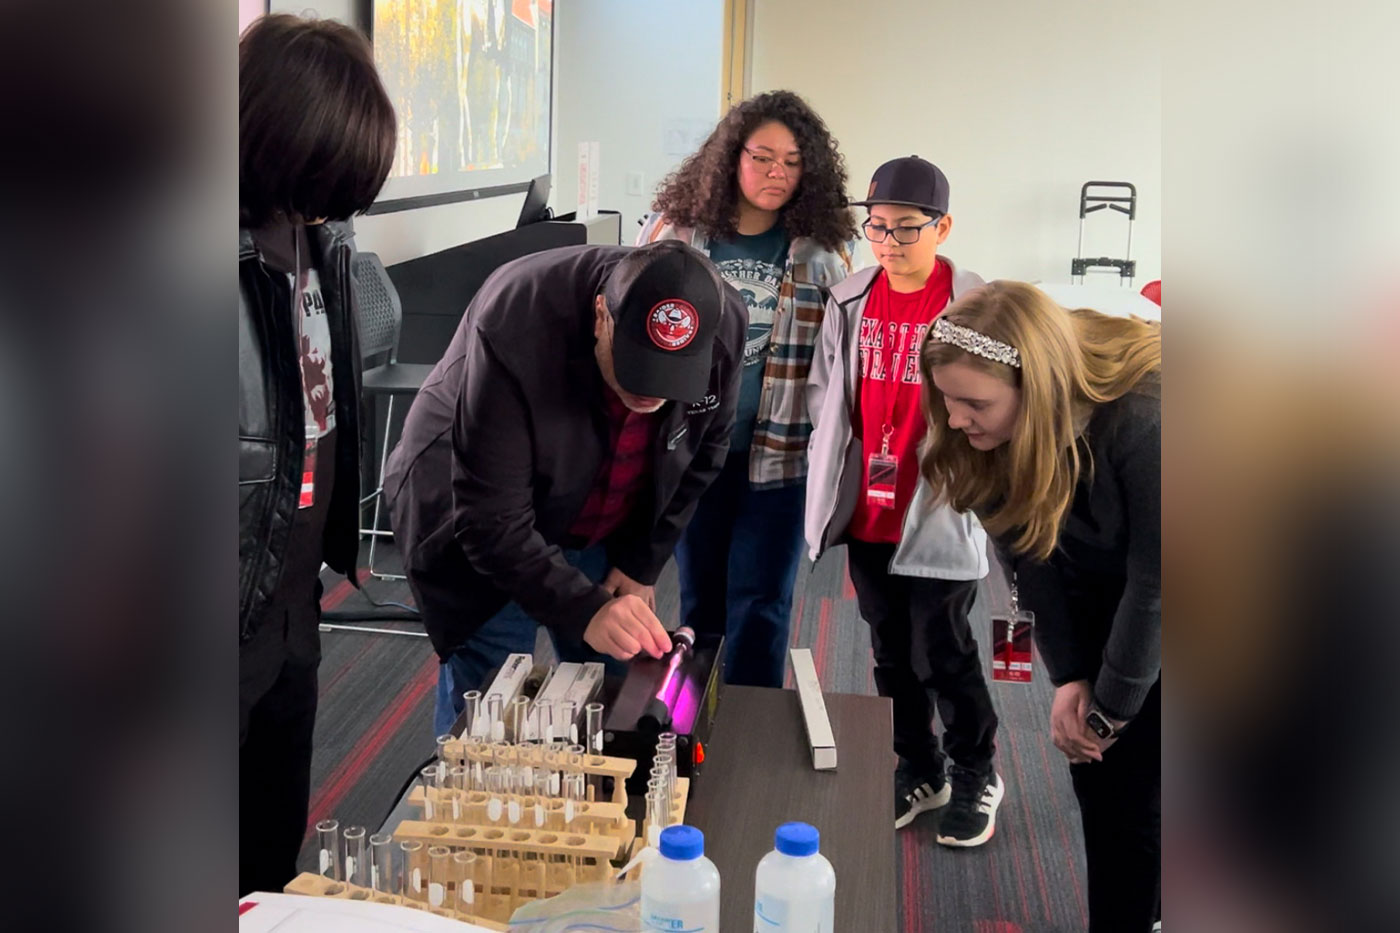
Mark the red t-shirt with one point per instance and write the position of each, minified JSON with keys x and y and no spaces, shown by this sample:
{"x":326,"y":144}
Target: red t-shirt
{"x":891,"y":332}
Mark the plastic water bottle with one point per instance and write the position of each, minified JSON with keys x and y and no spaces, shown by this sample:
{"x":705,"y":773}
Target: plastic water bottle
{"x":680,"y":890}
{"x":795,"y":886}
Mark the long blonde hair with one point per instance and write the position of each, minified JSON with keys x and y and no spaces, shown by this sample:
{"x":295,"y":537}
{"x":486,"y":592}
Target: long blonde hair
{"x":1070,"y":362}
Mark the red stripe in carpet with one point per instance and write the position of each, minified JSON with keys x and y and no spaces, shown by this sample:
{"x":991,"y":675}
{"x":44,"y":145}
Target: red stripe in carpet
{"x":848,"y":589}
{"x":1064,"y":833}
{"x":341,"y":591}
{"x":992,"y":875}
{"x":345,"y":668}
{"x":911,"y":887}
{"x":353,"y":765}
{"x":823,"y":631}
{"x":1026,"y":814}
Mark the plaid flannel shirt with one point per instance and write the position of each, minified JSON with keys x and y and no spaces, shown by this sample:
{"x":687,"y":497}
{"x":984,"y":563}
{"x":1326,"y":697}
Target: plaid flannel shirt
{"x":778,"y":456}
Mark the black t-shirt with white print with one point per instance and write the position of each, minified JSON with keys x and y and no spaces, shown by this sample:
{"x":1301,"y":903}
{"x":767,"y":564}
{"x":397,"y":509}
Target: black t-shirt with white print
{"x":286,"y":249}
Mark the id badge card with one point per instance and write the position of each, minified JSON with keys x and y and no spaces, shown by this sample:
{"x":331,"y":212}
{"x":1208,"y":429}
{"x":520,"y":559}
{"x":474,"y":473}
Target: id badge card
{"x":1011,"y":646}
{"x":308,"y":471}
{"x":880,"y":474}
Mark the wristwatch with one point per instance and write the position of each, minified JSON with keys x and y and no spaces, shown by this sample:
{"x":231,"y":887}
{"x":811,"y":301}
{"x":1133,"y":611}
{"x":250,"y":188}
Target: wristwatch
{"x":1101,"y":726}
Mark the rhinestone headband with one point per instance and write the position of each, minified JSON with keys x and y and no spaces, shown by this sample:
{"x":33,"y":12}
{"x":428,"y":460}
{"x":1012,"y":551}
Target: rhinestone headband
{"x":975,"y":342}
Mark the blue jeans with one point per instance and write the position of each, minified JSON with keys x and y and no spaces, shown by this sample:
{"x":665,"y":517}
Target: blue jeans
{"x":512,"y":631}
{"x":738,"y":562}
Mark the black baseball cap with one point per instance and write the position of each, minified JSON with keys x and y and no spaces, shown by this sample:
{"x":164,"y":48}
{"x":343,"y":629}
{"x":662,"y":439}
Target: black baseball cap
{"x":909,"y":180}
{"x":666,"y":300}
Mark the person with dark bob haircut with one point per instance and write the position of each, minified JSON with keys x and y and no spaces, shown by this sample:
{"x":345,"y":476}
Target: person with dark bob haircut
{"x":315,"y":142}
{"x":765,"y":199}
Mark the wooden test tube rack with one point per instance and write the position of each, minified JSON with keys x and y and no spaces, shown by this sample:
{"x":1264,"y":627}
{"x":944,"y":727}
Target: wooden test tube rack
{"x":519,"y":864}
{"x":314,"y":885}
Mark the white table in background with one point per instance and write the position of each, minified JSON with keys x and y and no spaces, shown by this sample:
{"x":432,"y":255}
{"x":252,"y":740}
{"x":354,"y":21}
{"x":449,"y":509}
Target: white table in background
{"x":1121,"y":301}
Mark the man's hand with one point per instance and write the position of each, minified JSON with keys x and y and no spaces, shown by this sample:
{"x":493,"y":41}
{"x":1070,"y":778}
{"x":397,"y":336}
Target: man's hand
{"x":626,"y":627}
{"x":619,"y":584}
{"x":1068,"y":730}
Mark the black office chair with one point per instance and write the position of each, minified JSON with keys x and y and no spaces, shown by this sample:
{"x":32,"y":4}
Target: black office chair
{"x":381,"y":317}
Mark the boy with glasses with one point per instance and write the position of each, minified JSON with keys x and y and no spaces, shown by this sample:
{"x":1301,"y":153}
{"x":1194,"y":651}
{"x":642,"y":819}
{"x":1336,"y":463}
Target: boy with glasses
{"x":914,"y":565}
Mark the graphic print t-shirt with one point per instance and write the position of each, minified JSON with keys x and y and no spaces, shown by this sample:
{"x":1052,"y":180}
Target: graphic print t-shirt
{"x":286,"y":249}
{"x":754,"y":265}
{"x":891,"y":332}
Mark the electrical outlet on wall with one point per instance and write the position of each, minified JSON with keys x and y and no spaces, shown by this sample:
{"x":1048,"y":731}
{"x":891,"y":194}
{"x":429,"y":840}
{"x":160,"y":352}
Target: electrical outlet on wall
{"x":634,"y":184}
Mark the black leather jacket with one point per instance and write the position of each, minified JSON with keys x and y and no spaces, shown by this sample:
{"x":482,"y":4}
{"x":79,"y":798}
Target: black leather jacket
{"x":270,"y":418}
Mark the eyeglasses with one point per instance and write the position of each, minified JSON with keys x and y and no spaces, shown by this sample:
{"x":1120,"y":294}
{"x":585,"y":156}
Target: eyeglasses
{"x":766,"y":163}
{"x":904,"y":235}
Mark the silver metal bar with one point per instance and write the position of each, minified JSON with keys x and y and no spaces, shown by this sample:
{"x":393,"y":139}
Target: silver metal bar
{"x":331,"y":627}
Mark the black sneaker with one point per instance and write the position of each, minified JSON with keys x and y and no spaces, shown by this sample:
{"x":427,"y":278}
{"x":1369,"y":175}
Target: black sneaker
{"x":915,"y":793}
{"x":972,"y":813}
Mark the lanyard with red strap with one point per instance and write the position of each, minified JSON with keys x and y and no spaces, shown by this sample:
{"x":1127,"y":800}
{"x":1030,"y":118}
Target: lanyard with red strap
{"x":882,"y":469}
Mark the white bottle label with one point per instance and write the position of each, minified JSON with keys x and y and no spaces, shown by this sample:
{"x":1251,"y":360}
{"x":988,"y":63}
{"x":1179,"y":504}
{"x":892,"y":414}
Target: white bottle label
{"x":468,"y":893}
{"x":350,"y":868}
{"x":436,"y":893}
{"x":493,"y":810}
{"x":661,"y":917}
{"x":514,"y":812}
{"x":539,"y":815}
{"x":427,"y":805}
{"x":325,"y":860}
{"x":417,"y":879}
{"x":568,"y":811}
{"x":374,"y":877}
{"x":456,"y":808}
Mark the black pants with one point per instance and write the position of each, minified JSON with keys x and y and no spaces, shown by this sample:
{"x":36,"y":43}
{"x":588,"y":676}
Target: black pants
{"x":1120,"y":803}
{"x":276,"y":716}
{"x":925,"y":658}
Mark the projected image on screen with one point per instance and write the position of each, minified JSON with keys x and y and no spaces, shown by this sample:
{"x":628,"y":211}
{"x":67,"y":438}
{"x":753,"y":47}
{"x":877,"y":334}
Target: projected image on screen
{"x":470,"y":80}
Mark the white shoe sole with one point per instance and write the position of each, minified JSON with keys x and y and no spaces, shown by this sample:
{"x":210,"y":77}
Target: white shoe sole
{"x":998,"y":791}
{"x":939,"y":799}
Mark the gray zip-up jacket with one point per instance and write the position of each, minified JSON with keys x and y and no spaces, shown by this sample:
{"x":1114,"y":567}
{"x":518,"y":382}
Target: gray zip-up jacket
{"x":935,"y":541}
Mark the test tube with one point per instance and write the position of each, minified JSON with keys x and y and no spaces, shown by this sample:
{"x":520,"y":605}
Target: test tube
{"x":471,"y":708}
{"x":593,"y":728}
{"x":495,"y":725}
{"x":381,"y":869}
{"x":356,"y":869}
{"x":541,"y":798}
{"x":544,"y":722}
{"x":439,"y":874}
{"x":465,"y":866}
{"x":459,"y":779}
{"x":566,"y":722}
{"x":415,"y":860}
{"x":519,"y":719}
{"x":513,"y":800}
{"x":495,"y":803}
{"x":657,"y":785}
{"x":668,"y":761}
{"x":328,"y":833}
{"x":428,"y":778}
{"x":655,"y":818}
{"x":443,"y":763}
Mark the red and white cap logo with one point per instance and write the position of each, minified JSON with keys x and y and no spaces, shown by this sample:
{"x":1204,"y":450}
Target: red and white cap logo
{"x":672,"y":324}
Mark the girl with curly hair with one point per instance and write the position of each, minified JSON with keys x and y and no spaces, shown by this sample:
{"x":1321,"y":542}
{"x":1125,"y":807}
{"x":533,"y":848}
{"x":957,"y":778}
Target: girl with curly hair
{"x":765,"y":199}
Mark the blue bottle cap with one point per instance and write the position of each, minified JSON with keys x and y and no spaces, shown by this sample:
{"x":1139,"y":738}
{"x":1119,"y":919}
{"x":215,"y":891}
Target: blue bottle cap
{"x":798,"y":839}
{"x":682,"y":843}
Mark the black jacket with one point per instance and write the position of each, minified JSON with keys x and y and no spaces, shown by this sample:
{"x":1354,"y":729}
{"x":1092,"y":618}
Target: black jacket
{"x":503,"y":443}
{"x":271,"y":432}
{"x":1098,"y":598}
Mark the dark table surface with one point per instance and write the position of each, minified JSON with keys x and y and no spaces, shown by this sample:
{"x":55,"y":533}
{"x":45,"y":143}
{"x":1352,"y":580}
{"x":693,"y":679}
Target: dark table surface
{"x":758,"y":774}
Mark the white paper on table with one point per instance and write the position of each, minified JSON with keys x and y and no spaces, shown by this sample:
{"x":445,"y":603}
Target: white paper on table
{"x":298,"y":913}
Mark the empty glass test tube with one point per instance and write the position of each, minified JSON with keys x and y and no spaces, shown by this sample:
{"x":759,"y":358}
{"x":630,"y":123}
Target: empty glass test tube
{"x":412,"y":871}
{"x":439,"y":875}
{"x":328,"y":837}
{"x":356,"y":867}
{"x":381,"y":868}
